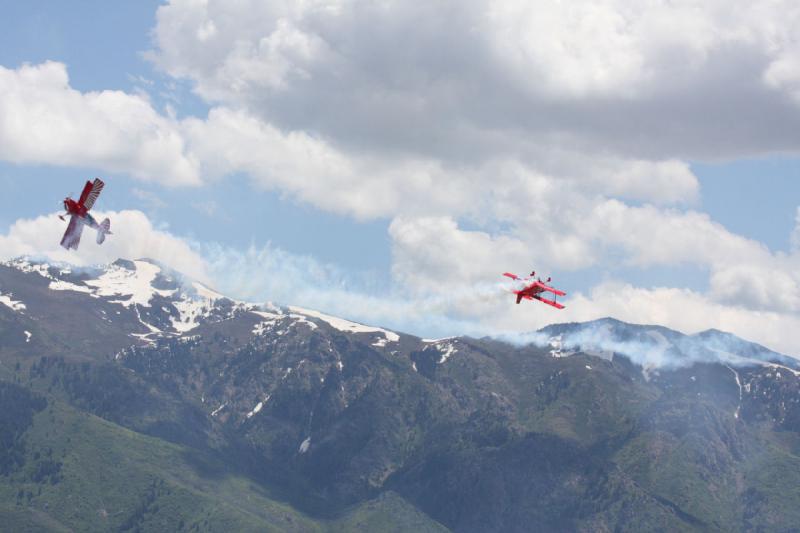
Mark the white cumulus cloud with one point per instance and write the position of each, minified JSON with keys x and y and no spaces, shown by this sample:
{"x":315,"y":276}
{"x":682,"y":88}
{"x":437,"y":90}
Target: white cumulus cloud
{"x":459,"y":79}
{"x":44,"y":120}
{"x":133,"y":237}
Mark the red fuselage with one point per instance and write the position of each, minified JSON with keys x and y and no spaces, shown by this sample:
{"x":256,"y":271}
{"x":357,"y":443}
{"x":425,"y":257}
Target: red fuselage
{"x":74,"y":208}
{"x":531,"y":290}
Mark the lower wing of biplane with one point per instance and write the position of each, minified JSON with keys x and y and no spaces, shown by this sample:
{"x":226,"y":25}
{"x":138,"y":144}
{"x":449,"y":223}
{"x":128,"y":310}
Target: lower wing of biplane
{"x":548,"y":302}
{"x":72,"y":237}
{"x":522,"y":294}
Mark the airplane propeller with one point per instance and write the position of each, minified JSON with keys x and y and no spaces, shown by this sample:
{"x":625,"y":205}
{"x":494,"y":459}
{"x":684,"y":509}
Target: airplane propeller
{"x":61,"y":204}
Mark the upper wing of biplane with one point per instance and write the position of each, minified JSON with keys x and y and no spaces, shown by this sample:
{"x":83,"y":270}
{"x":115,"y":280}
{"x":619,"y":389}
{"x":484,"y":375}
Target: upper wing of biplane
{"x":72,"y":237}
{"x":550,"y":289}
{"x":90,"y":193}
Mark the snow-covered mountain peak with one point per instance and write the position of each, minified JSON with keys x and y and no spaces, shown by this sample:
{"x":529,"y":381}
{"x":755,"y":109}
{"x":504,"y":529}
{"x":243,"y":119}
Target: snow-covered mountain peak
{"x":165,"y":302}
{"x":129,"y":286}
{"x":29,"y":265}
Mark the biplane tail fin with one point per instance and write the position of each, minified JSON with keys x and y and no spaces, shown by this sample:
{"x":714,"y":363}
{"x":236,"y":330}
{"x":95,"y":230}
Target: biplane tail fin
{"x":103,"y":230}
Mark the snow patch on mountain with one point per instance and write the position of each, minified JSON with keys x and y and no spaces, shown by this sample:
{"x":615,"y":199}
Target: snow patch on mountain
{"x":263,"y":327}
{"x":43,"y":269}
{"x":430,"y":341}
{"x":135,"y":284}
{"x":258,"y":407}
{"x":346,"y":325}
{"x":27,"y":266}
{"x":300,"y":319}
{"x":272,"y":318}
{"x":145,"y":338}
{"x":14,"y":305}
{"x":198,"y":302}
{"x":739,"y":384}
{"x":62,"y":285}
{"x":305,"y":445}
{"x":446,"y":349}
{"x":781,"y":367}
{"x":153,"y":330}
{"x":206,"y":293}
{"x":190,"y":310}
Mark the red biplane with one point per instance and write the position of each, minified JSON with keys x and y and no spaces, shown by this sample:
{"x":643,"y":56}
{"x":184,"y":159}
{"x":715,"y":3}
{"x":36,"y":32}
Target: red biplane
{"x":531,"y":288}
{"x":79,"y":216}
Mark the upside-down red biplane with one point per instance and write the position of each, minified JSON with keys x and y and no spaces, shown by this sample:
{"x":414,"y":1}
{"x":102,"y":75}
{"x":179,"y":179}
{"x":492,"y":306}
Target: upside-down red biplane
{"x":79,"y":216}
{"x":531,"y":287}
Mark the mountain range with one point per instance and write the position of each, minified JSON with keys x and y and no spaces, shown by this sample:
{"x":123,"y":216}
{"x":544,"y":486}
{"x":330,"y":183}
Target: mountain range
{"x":135,"y":399}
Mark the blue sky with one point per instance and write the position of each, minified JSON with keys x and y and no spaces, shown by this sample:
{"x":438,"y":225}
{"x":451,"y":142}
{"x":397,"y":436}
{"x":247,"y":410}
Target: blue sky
{"x":757,"y":198}
{"x":402,"y":177}
{"x":103,"y":49}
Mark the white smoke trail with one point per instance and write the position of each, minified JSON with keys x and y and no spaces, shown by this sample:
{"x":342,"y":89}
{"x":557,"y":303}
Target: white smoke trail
{"x":652,"y":347}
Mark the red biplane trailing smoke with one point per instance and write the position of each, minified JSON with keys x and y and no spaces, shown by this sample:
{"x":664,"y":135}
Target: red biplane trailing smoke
{"x":79,"y":216}
{"x":531,"y":288}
